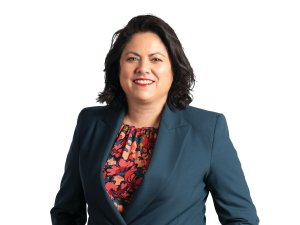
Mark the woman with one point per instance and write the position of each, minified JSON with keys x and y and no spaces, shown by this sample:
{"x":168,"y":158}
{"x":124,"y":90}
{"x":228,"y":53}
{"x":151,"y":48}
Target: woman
{"x":147,"y":157}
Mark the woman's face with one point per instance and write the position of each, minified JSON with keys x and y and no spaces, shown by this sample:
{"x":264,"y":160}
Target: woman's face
{"x":145,"y":69}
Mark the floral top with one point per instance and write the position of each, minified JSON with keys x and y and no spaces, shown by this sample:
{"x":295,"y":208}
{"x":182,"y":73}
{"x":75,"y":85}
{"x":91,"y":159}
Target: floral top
{"x":127,"y":163}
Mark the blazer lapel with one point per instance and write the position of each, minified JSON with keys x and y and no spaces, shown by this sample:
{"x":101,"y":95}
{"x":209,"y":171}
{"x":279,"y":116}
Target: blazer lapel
{"x":105,"y":134}
{"x":166,"y":154}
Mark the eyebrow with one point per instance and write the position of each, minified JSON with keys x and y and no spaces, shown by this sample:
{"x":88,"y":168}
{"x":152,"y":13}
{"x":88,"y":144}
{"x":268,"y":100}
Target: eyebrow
{"x":154,"y":53}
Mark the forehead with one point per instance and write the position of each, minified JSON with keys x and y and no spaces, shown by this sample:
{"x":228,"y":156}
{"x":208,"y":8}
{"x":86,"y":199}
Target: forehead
{"x":145,"y":42}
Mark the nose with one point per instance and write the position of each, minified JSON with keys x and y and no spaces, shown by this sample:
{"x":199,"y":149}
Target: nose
{"x":143,"y":67}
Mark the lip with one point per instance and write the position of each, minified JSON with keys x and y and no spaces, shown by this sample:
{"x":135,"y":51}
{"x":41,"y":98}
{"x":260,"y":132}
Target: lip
{"x":143,"y":84}
{"x":143,"y":79}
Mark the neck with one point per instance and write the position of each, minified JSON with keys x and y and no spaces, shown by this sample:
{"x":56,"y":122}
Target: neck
{"x":141,"y":115}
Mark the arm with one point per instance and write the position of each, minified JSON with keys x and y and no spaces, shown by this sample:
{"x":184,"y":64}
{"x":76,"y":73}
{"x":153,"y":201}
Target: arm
{"x":226,"y":181}
{"x":70,"y":204}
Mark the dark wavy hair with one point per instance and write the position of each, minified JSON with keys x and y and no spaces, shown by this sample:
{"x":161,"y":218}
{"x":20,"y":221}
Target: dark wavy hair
{"x":179,"y":95}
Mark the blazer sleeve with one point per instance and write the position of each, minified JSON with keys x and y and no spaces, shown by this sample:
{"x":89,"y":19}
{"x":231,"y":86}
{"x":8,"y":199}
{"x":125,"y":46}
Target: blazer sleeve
{"x":226,"y":181}
{"x":70,"y":205}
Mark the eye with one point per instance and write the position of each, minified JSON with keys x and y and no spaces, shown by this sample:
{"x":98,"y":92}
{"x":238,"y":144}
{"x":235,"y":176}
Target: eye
{"x":156,"y":60}
{"x":132,"y":59}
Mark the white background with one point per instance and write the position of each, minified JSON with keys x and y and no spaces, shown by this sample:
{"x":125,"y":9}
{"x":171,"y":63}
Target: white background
{"x":245,"y":54}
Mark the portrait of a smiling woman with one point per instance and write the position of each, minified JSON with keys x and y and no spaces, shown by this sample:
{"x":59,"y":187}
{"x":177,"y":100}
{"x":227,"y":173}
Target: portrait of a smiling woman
{"x":147,"y":157}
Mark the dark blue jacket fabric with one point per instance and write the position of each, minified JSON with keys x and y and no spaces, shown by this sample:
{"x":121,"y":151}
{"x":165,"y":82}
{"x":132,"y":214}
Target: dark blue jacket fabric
{"x":192,"y":157}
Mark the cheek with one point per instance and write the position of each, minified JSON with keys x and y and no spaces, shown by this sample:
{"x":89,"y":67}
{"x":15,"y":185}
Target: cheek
{"x":165,"y":73}
{"x":125,"y":71}
{"x":124,"y":81}
{"x":123,"y":77}
{"x":163,"y":69}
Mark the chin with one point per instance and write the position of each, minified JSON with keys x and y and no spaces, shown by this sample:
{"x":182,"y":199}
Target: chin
{"x":141,"y":99}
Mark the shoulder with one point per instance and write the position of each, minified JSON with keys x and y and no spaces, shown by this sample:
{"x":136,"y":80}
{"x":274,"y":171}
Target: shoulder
{"x":94,"y":111}
{"x":199,"y":114}
{"x":92,"y":114}
{"x":201,"y":119}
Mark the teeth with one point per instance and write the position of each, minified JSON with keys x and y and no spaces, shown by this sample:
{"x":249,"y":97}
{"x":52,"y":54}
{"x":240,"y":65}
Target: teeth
{"x":143,"y":81}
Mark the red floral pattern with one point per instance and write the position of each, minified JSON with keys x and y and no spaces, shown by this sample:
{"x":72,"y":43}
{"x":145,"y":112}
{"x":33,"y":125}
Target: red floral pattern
{"x":127,"y":163}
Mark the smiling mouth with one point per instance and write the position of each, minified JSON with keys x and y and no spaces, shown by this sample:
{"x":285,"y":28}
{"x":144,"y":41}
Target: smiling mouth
{"x":143,"y":82}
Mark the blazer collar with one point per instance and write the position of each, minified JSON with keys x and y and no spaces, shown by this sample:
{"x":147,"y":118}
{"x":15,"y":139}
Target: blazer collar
{"x":169,"y":145}
{"x":169,"y":118}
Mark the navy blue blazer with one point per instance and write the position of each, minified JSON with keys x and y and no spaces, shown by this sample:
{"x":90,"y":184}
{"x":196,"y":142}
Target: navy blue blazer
{"x":193,"y":156}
